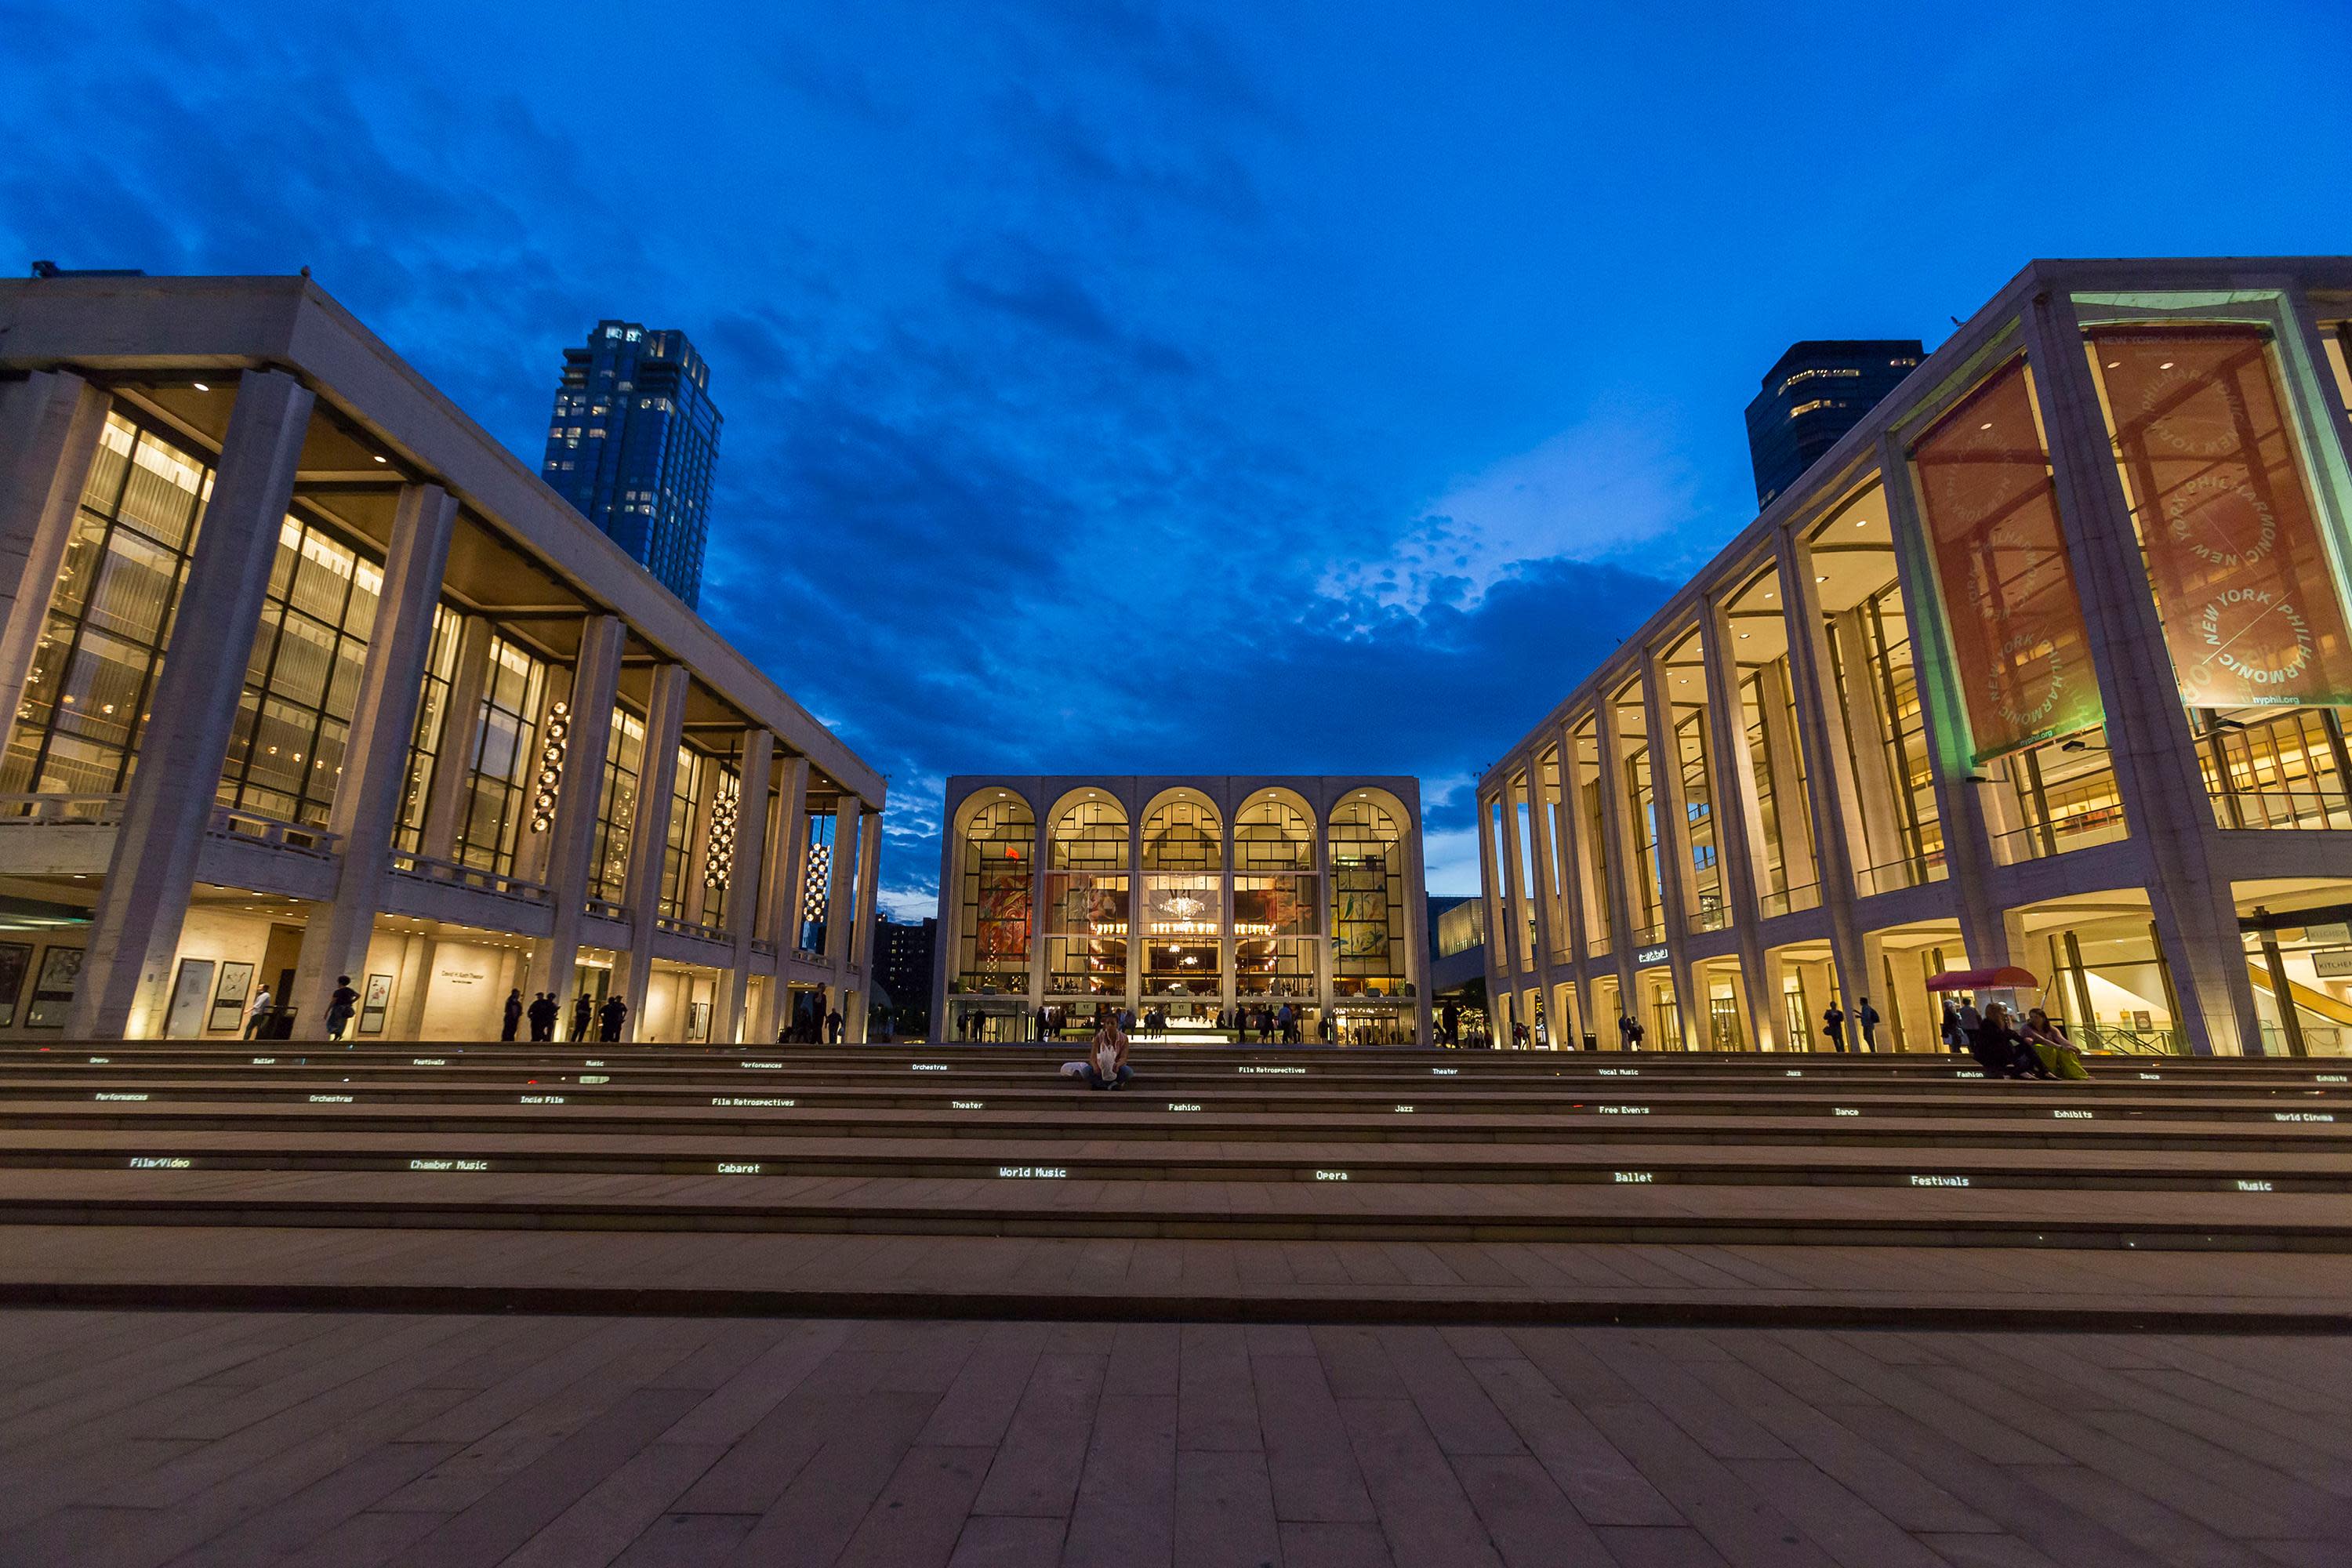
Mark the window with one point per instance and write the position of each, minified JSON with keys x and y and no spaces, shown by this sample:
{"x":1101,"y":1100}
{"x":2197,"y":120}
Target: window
{"x":504,"y":759}
{"x":426,"y":737}
{"x":624,"y":752}
{"x":1184,"y":834}
{"x":686,"y":793}
{"x":1367,"y":924}
{"x":302,"y":680}
{"x":1090,"y":833}
{"x":78,"y":729}
{"x":998,"y":866}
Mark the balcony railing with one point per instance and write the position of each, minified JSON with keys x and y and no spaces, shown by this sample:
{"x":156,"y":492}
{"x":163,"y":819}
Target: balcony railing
{"x":2273,"y":809}
{"x":2060,"y":834}
{"x":606,"y":909}
{"x":252,"y":827}
{"x":695,"y":928}
{"x":1896,"y":875}
{"x":1789,"y":900}
{"x":1714,"y":917}
{"x":76,"y":810}
{"x":452,"y":874}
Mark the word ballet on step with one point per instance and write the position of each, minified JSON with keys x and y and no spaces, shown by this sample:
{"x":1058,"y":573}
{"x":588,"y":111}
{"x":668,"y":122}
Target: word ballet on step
{"x":1634,"y":1176}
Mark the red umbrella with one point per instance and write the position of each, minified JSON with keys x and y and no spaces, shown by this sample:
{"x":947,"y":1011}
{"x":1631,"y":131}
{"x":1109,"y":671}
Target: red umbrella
{"x":2009,"y":977}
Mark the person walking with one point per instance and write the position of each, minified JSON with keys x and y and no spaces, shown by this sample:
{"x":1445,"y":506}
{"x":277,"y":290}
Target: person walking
{"x":1833,"y":1024}
{"x":341,"y":1003}
{"x":1955,"y":1038}
{"x":545,"y":1011}
{"x":1625,"y":1028}
{"x":582,"y":1011}
{"x":257,"y":1016}
{"x":1043,"y":1018}
{"x":609,"y":1019}
{"x":833,"y":1027}
{"x":1286,"y":1022}
{"x":510,"y":1016}
{"x":1865,"y":1019}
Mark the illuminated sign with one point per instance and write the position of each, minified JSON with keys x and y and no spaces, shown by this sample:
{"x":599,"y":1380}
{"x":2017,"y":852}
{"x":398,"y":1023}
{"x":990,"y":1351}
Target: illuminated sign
{"x":180,"y":1162}
{"x":102,"y":1095}
{"x":2244,"y":1186}
{"x":448,"y":1165}
{"x":729,"y":1169}
{"x":965,"y":1104}
{"x":1622,"y":1109}
{"x":1330,"y":1175}
{"x":738,"y":1100}
{"x":327,"y":1098}
{"x":1643,"y":957}
{"x":1634,"y":1175}
{"x":1043,"y":1171}
{"x":542,"y":1099}
{"x":1940,"y":1181}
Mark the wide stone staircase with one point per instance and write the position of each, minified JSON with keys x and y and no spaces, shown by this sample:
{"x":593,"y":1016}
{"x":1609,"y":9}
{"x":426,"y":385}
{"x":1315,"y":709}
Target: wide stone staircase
{"x":1226,"y":1184}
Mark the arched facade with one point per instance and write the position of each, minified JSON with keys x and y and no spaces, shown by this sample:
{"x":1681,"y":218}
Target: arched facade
{"x":996,"y":848}
{"x":1210,"y":903}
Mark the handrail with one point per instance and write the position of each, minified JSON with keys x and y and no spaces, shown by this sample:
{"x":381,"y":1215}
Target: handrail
{"x":677,"y":927}
{"x":2259,"y":809}
{"x":1789,"y":900}
{"x":2079,"y":830}
{"x":605,"y":909}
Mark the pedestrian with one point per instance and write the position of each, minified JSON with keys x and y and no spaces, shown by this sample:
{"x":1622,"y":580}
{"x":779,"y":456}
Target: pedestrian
{"x":1625,"y":1027}
{"x":582,"y":1011}
{"x":341,"y":1003}
{"x":1865,"y":1017}
{"x":510,"y":1016}
{"x":1449,"y":1028}
{"x":257,"y":1017}
{"x":1042,"y":1020}
{"x":545,"y":1011}
{"x":1641,"y":1033}
{"x":1955,"y":1038}
{"x":833,"y":1026}
{"x":609,"y":1019}
{"x":1287,"y":1022}
{"x":1834,"y":1023}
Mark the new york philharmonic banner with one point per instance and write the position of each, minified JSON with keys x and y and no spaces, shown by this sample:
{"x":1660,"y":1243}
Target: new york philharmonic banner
{"x":1992,"y":519}
{"x":2251,"y":610}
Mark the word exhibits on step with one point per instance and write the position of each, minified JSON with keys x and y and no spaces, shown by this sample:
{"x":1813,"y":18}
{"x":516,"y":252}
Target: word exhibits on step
{"x":2072,"y":1115}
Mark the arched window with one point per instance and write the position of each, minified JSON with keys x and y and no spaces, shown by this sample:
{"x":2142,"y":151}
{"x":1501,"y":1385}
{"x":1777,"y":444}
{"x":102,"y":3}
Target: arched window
{"x":1369,"y":930}
{"x":1089,"y":834}
{"x":1273,"y":832}
{"x":1184,"y":832}
{"x":999,"y":847}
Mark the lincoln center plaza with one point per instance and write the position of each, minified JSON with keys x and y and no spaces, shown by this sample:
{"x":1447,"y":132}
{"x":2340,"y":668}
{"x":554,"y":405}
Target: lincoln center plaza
{"x":312,"y":677}
{"x":2045,"y":664}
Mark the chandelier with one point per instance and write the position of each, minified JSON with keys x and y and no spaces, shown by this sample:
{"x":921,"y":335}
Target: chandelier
{"x":1183,"y":906}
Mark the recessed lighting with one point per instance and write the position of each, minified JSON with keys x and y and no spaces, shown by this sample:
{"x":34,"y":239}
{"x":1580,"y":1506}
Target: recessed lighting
{"x":1986,"y":426}
{"x":379,"y":457}
{"x":1821,"y":579}
{"x":2165,"y":366}
{"x":1862,"y":522}
{"x":1743,"y":637}
{"x":200,"y":386}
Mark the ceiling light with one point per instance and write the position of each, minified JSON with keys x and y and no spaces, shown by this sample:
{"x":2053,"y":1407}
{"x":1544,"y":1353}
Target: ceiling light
{"x":2165,"y":366}
{"x":1821,"y":579}
{"x":1986,"y":426}
{"x":202,"y":387}
{"x":1743,"y":637}
{"x":379,"y":457}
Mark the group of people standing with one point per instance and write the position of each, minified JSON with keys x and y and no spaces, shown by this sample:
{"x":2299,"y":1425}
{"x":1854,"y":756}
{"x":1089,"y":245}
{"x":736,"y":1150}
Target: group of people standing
{"x":803,"y":1027}
{"x":1864,"y":1020}
{"x":543,"y":1010}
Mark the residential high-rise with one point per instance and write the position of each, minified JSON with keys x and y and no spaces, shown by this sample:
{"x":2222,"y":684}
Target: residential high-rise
{"x":1816,"y":393}
{"x":632,"y":444}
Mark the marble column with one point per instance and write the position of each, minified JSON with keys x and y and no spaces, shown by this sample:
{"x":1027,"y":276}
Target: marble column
{"x":50,"y":425}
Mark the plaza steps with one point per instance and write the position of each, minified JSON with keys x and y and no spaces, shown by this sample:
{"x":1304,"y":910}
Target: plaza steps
{"x":833,"y":1167}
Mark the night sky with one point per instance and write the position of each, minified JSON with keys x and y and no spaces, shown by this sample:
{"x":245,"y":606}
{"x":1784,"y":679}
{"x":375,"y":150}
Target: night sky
{"x":1127,"y":388}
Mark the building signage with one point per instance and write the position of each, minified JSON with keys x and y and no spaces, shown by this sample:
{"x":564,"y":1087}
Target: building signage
{"x":1643,"y":957}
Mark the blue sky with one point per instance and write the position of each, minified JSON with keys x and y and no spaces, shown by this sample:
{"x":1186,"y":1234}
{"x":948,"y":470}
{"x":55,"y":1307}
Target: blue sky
{"x":1123,"y":387}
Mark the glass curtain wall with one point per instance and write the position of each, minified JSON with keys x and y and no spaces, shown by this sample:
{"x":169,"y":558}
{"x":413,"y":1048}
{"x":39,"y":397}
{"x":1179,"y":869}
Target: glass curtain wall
{"x":85,"y":706}
{"x":1368,"y":915}
{"x":1641,"y":808}
{"x":1711,"y":911}
{"x":693,"y":772}
{"x":428,"y":735}
{"x":1599,"y":920}
{"x":502,"y":760}
{"x":302,"y":681}
{"x":1557,"y":829}
{"x":998,"y":854}
{"x":616,"y":816}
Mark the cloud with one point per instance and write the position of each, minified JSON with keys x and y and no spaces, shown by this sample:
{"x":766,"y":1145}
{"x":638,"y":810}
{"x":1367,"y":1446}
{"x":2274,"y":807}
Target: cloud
{"x":1597,"y":489}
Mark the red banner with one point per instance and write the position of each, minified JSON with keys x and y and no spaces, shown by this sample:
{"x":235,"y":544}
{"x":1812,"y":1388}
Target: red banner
{"x":2251,"y":611}
{"x":1991,"y":514}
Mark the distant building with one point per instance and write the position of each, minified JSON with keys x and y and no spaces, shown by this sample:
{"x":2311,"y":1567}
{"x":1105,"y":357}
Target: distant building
{"x":632,"y":444}
{"x":902,"y":967}
{"x":1815,"y":394}
{"x":1457,"y":960}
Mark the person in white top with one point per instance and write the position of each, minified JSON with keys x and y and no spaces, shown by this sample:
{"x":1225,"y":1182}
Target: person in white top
{"x":258,"y":1012}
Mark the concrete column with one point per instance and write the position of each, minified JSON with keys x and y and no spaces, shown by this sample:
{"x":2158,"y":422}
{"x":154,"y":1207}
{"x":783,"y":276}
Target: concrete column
{"x":1500,"y":964}
{"x":649,"y":838}
{"x":1515,"y":884}
{"x":453,"y":763}
{"x":407,"y":1021}
{"x":1800,"y":863}
{"x":2148,"y":738}
{"x":728,"y":1015}
{"x":136,"y":931}
{"x":841,"y":884}
{"x":1623,"y":862}
{"x":1416,"y":921}
{"x":1969,"y":858}
{"x":570,"y":836}
{"x":855,"y":1020}
{"x":1828,"y":778}
{"x":1739,"y":818}
{"x":1569,"y":854}
{"x":780,"y":898}
{"x":1550,"y":928}
{"x":375,"y":756}
{"x":693,"y":885}
{"x":49,"y":427}
{"x":1040,"y":917}
{"x":1138,"y":952}
{"x":1676,"y":896}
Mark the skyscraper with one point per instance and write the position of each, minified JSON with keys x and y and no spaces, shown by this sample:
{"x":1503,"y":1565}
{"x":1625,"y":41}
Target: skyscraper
{"x":1815,"y":394}
{"x":631,"y":445}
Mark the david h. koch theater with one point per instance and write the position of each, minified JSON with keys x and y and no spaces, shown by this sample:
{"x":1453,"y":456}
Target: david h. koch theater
{"x":2045,"y":666}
